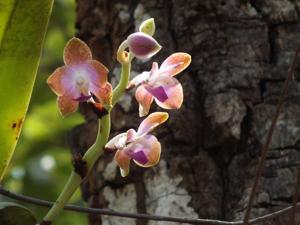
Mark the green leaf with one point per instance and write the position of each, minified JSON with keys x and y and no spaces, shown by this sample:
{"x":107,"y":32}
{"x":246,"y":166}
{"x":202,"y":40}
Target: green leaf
{"x":14,"y":214}
{"x":22,"y":30}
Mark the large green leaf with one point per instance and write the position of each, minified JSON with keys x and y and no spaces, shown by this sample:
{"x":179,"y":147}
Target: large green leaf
{"x":22,"y":29}
{"x":14,"y":214}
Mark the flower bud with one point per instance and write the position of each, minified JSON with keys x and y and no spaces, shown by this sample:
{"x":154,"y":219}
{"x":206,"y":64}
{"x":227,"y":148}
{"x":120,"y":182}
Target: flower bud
{"x":143,"y":46}
{"x":148,"y":27}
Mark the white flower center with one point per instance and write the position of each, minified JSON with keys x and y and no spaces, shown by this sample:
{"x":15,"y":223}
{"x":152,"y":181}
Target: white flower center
{"x":81,"y":78}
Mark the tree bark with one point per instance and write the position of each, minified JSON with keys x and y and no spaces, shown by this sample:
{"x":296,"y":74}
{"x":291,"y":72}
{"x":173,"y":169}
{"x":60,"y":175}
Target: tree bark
{"x":241,"y":51}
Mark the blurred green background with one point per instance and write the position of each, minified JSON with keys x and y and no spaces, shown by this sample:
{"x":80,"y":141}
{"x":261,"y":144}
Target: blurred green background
{"x":42,"y":160}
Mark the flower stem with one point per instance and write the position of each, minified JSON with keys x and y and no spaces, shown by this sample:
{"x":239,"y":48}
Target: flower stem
{"x":70,"y":187}
{"x":124,"y":80}
{"x":96,"y":149}
{"x":74,"y":181}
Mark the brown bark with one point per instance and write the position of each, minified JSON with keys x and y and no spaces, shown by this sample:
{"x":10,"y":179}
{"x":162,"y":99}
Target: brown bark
{"x":241,"y":51}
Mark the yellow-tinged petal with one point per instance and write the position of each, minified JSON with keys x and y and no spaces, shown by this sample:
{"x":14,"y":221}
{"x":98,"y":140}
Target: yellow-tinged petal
{"x":66,"y":104}
{"x":145,"y":99}
{"x":104,"y":94}
{"x":175,"y":63}
{"x":101,"y":73}
{"x":151,"y":122}
{"x":123,"y":161}
{"x":55,"y":80}
{"x":76,"y":52}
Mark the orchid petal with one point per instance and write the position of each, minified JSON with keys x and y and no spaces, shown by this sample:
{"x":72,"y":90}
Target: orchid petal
{"x":151,"y":122}
{"x":55,"y":80}
{"x":66,"y":104}
{"x":175,"y":63}
{"x":123,"y":161}
{"x":103,"y":94}
{"x":139,"y":79}
{"x":174,"y":92}
{"x":131,"y":135}
{"x":99,"y":78}
{"x":143,"y":46}
{"x":144,"y":151}
{"x":76,"y":52}
{"x":145,"y":99}
{"x":118,"y":142}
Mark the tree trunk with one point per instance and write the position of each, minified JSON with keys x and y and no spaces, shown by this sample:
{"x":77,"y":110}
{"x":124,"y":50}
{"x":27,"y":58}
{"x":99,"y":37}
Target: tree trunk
{"x":241,"y":52}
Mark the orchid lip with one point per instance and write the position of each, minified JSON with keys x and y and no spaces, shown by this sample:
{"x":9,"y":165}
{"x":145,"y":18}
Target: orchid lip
{"x":159,"y":93}
{"x":83,"y":98}
{"x":140,"y":157}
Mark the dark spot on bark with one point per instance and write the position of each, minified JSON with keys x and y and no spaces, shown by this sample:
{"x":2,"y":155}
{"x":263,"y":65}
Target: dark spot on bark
{"x":14,"y":125}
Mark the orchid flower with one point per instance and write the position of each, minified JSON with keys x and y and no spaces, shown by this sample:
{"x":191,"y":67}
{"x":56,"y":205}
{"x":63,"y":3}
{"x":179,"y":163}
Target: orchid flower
{"x":80,"y":79}
{"x":139,"y":145}
{"x":160,"y":84}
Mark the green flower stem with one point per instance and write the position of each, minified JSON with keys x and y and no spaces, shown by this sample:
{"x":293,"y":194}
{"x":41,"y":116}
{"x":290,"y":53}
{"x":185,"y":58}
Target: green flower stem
{"x":70,"y":187}
{"x":75,"y":180}
{"x":95,"y":151}
{"x":124,"y":80}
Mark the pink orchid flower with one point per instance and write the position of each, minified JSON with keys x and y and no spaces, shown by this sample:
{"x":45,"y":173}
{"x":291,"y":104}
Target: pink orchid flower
{"x":80,"y":79}
{"x":138,"y":145}
{"x":160,"y":84}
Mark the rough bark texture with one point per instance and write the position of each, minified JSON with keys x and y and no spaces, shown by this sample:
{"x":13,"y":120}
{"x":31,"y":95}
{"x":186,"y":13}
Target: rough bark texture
{"x":241,"y":52}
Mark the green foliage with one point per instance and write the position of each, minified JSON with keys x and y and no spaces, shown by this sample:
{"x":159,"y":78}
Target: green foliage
{"x":22,"y":29}
{"x":14,"y":214}
{"x":42,"y":161}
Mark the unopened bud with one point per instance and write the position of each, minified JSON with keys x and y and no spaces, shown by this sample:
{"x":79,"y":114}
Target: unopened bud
{"x":148,"y":27}
{"x":143,"y":46}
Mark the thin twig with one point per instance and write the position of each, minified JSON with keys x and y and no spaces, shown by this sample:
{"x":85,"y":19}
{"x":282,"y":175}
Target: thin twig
{"x":296,"y":197}
{"x":270,"y":134}
{"x":39,"y":202}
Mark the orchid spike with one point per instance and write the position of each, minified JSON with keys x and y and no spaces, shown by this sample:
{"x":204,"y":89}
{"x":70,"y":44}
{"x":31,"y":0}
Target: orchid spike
{"x":142,"y":45}
{"x":80,"y":79}
{"x":139,"y":145}
{"x":160,"y":84}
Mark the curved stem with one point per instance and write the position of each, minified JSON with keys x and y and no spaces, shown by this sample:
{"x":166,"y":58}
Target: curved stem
{"x":69,"y":189}
{"x":74,"y":180}
{"x":96,"y":150}
{"x":124,"y":80}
